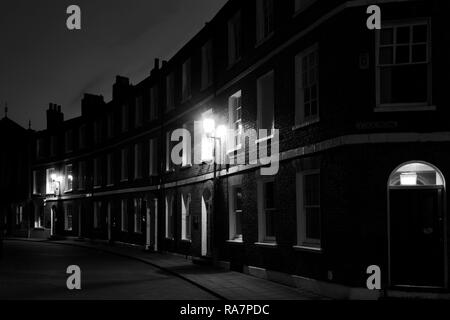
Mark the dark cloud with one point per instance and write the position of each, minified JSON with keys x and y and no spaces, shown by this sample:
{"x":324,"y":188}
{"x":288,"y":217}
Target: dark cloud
{"x":41,"y":61}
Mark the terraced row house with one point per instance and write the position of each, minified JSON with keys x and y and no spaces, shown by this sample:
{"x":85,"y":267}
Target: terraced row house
{"x":359,"y":117}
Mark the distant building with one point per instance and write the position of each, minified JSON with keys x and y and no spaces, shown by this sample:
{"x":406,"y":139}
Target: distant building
{"x":364,"y":147}
{"x":15,"y":163}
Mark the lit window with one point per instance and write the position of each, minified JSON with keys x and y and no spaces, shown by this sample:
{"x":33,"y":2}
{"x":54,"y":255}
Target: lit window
{"x":69,"y":178}
{"x":235,"y":116}
{"x":265,"y":101}
{"x":404,"y":65}
{"x":207,"y":149}
{"x":416,"y":174}
{"x":51,"y":188}
{"x":187,"y":152}
{"x":169,"y":216}
{"x":68,"y":215}
{"x":266,"y":211}
{"x":307,"y":86}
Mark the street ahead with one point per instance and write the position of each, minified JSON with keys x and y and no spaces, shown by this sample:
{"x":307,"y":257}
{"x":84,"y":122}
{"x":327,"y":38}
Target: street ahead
{"x":37,"y":270}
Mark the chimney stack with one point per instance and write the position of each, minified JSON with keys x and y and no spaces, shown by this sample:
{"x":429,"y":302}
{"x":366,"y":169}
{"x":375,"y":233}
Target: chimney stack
{"x":121,"y":88}
{"x":91,"y":104}
{"x":55,"y":117}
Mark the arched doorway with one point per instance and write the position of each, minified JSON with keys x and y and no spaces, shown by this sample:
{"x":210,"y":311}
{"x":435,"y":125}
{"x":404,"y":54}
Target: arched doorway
{"x":416,"y":226}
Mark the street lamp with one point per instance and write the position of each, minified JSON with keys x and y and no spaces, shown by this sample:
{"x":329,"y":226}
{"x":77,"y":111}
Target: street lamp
{"x":217,"y":134}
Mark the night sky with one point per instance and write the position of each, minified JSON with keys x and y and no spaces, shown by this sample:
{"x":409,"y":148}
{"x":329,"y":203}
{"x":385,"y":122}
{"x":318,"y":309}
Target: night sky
{"x":41,"y":61}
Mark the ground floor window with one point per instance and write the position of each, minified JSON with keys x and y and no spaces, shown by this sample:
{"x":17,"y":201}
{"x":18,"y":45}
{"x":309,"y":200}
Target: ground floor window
{"x":38,"y":216}
{"x":267,"y":211}
{"x":235,"y":206}
{"x":68,"y":215}
{"x":97,"y":214}
{"x":308,"y":209}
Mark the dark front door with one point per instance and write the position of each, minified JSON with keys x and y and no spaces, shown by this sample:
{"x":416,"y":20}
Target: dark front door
{"x":417,"y":237}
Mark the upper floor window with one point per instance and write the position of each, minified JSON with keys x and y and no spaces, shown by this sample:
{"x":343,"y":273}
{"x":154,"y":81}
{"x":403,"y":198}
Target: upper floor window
{"x":137,"y":161}
{"x":137,"y":215}
{"x":265,"y":101}
{"x":207,"y":65}
{"x":124,"y":215}
{"x":307,"y":86}
{"x":69,"y":178}
{"x":153,"y":113}
{"x":186,"y":80}
{"x":264,"y":19}
{"x":97,"y":172}
{"x":109,"y":170}
{"x":68,"y":137}
{"x":404,"y":65}
{"x":51,"y":184}
{"x":170,"y":92}
{"x":207,"y":147}
{"x":187,"y":147}
{"x":138,"y":115}
{"x":234,"y":39}
{"x":235,"y":116}
{"x":169,"y":162}
{"x":53,"y":145}
{"x":169,"y":216}
{"x":125,"y":120}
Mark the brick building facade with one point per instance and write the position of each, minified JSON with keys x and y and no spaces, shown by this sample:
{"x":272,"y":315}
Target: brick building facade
{"x":362,"y":127}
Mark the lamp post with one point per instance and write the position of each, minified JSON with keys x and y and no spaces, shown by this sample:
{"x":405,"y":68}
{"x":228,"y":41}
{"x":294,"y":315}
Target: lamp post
{"x":217,"y":134}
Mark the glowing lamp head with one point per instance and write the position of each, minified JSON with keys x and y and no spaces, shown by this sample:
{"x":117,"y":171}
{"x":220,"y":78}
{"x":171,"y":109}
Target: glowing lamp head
{"x":408,"y":179}
{"x":221,"y":131}
{"x":209,"y":126}
{"x":53,"y":176}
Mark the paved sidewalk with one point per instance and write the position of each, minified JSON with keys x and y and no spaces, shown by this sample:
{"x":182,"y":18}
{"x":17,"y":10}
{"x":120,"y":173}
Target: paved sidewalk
{"x":225,"y":284}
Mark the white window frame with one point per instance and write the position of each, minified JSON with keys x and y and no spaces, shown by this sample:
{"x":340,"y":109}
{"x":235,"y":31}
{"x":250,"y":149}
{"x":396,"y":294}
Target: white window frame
{"x":207,"y":143}
{"x":50,"y":186}
{"x":302,"y":240}
{"x":68,"y":210}
{"x":235,"y":123}
{"x":187,"y":148}
{"x":169,"y":216}
{"x":260,"y":104}
{"x":186,"y":217}
{"x":414,"y":106}
{"x":262,"y":237}
{"x":124,"y":165}
{"x":300,"y":118}
{"x":234,"y":184}
{"x":110,"y":169}
{"x":139,"y":111}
